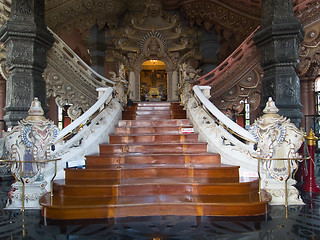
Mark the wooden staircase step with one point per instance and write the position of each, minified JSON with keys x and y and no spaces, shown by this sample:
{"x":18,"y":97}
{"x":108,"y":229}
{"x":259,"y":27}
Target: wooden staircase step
{"x":153,"y":107}
{"x":118,"y":181}
{"x":100,"y":208}
{"x":154,"y":123}
{"x":154,"y":171}
{"x":153,"y":112}
{"x":146,"y":189}
{"x":102,"y":201}
{"x":148,"y":130}
{"x":157,"y":104}
{"x":154,"y":148}
{"x":153,"y":116}
{"x":132,"y":158}
{"x":153,"y":138}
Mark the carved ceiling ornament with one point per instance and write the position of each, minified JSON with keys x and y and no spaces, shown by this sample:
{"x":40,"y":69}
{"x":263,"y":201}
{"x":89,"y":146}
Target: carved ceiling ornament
{"x":83,"y":14}
{"x":221,"y":16}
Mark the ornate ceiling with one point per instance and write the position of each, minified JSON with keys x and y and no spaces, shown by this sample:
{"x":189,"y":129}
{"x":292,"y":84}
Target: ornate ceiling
{"x":240,"y":17}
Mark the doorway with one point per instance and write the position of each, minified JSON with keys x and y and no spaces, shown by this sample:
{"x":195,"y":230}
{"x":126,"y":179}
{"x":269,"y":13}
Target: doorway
{"x":153,"y":81}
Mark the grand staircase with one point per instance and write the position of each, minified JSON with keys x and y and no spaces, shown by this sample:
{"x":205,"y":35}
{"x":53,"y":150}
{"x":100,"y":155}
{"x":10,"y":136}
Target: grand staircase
{"x":153,"y":165}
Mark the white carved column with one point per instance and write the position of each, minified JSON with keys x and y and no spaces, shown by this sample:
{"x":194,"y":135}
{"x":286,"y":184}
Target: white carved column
{"x":174,"y":83}
{"x":132,"y":84}
{"x":169,"y":86}
{"x":137,"y":86}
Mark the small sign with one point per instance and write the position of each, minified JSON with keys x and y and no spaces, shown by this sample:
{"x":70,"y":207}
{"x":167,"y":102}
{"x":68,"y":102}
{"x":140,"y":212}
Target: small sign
{"x":187,"y":130}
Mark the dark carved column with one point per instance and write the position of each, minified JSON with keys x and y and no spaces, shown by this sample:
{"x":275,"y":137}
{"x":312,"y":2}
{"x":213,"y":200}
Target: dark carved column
{"x":97,"y":49}
{"x":2,"y":103}
{"x":278,"y":39}
{"x":308,"y":100}
{"x":26,"y":40}
{"x":209,"y":45}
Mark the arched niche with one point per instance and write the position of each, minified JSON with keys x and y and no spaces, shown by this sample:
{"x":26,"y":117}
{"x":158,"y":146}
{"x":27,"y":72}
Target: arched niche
{"x":153,"y":81}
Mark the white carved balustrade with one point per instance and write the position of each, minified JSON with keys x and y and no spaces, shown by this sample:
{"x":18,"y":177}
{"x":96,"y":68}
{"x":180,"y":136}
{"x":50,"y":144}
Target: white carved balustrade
{"x":274,"y":135}
{"x":87,"y":131}
{"x":232,"y":142}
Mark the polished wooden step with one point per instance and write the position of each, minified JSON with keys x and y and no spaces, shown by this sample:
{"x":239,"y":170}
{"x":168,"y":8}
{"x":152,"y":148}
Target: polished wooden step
{"x":152,"y":129}
{"x":170,"y":105}
{"x":153,"y":116}
{"x":237,"y":198}
{"x":153,"y":171}
{"x":153,"y":148}
{"x":154,"y":123}
{"x":158,"y":180}
{"x":152,"y":138}
{"x":138,"y":158}
{"x":153,"y":165}
{"x":111,"y":207}
{"x":154,"y":111}
{"x":138,"y":187}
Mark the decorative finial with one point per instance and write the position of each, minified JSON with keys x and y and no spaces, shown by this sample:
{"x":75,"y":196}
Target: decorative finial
{"x":270,"y":107}
{"x":36,"y":112}
{"x":311,"y":138}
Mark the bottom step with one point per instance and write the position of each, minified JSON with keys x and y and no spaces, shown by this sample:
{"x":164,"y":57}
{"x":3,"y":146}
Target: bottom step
{"x":110,"y":207}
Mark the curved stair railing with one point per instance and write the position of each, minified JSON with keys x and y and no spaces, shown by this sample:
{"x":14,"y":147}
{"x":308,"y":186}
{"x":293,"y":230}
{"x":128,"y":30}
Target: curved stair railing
{"x":232,"y":142}
{"x":83,"y":136}
{"x":221,"y":118}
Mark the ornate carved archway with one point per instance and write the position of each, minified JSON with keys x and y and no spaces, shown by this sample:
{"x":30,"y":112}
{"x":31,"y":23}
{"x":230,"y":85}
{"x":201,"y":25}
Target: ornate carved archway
{"x":140,"y":41}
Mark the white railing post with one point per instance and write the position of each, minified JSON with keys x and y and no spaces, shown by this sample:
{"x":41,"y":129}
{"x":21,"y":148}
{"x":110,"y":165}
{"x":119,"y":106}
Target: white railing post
{"x":206,"y":91}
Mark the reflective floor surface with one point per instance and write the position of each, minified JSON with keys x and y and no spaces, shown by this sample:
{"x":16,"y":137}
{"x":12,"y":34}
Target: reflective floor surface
{"x":302,"y":222}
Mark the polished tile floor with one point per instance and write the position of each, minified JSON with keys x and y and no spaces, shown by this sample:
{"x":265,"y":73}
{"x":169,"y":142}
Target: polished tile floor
{"x":302,"y":222}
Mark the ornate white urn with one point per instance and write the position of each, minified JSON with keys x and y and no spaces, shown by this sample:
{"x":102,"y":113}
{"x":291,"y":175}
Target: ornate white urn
{"x":278,"y":142}
{"x":28,"y":145}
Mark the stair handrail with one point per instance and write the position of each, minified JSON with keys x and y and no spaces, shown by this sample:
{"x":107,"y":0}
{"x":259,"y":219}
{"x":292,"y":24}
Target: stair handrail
{"x":300,"y":5}
{"x":221,"y":118}
{"x":104,"y":99}
{"x":96,"y":76}
{"x":233,"y":58}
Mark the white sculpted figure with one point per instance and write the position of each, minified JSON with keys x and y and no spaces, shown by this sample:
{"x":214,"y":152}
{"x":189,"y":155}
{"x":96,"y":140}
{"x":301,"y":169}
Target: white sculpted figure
{"x":277,"y":138}
{"x":121,"y":85}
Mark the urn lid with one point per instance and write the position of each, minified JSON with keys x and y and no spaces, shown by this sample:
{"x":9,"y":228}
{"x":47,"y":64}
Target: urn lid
{"x":36,"y":112}
{"x":271,"y":107}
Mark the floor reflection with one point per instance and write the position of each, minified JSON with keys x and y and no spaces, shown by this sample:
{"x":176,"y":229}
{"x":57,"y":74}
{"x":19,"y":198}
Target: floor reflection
{"x":303,"y":222}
